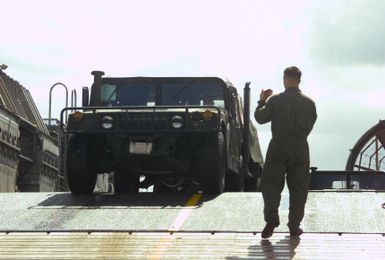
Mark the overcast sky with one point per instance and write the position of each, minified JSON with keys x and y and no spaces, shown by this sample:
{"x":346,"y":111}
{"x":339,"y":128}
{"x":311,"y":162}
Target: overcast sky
{"x":338,"y":45}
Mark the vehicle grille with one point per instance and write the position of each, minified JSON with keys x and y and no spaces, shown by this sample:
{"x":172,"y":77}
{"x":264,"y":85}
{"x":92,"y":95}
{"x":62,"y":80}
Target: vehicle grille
{"x":143,"y":121}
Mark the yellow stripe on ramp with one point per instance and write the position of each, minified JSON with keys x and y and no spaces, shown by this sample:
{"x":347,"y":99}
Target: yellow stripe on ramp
{"x":186,"y":211}
{"x":166,"y":242}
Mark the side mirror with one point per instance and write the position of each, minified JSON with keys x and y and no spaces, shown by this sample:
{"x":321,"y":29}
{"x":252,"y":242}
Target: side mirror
{"x":85,"y":97}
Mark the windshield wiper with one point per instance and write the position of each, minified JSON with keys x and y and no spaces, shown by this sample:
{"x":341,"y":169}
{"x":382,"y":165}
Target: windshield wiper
{"x":116,"y":89}
{"x":184,"y":88}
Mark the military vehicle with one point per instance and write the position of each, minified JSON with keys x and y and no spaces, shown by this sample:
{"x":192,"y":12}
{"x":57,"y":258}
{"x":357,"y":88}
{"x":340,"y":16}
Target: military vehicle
{"x":175,"y":133}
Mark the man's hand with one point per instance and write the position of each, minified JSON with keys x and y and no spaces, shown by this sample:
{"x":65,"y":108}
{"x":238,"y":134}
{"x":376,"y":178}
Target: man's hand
{"x":265,"y":94}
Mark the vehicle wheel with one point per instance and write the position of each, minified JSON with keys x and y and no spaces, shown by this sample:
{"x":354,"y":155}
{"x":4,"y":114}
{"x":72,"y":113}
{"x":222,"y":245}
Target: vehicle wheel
{"x":212,"y":167}
{"x":80,"y":169}
{"x":235,"y":182}
{"x":253,"y":184}
{"x":125,"y":182}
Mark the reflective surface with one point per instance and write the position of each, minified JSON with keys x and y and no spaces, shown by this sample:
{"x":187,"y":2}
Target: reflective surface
{"x":58,"y":225}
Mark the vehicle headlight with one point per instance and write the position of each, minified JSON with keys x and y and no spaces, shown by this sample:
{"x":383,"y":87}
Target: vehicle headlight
{"x":77,"y":116}
{"x":207,"y":115}
{"x":107,"y":122}
{"x":177,"y":121}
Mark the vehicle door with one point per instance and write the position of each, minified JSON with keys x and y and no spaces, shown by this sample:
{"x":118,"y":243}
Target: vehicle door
{"x":235,"y":135}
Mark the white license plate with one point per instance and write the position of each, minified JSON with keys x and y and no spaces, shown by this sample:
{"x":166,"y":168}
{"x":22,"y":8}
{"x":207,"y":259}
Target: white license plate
{"x":140,"y":148}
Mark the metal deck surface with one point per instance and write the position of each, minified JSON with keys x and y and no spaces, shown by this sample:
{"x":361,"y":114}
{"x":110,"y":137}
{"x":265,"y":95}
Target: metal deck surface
{"x":360,"y":212}
{"x":122,"y":245}
{"x":338,"y":225}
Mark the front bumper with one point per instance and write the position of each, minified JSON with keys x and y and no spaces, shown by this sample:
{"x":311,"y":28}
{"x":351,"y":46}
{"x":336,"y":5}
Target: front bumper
{"x":141,"y":119}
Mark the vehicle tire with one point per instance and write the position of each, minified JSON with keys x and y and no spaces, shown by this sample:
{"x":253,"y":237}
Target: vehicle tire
{"x":235,"y":182}
{"x":253,"y":184}
{"x":125,"y":182}
{"x":80,"y":169}
{"x":212,"y":166}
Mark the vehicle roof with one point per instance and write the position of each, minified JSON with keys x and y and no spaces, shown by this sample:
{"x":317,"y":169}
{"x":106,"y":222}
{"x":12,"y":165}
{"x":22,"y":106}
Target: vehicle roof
{"x":166,"y":79}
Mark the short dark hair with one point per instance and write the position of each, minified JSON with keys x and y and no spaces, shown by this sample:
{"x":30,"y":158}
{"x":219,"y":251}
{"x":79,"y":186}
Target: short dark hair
{"x":292,"y":72}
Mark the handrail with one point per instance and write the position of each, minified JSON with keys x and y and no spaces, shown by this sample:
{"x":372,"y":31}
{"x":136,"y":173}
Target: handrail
{"x":73,"y":98}
{"x":50,"y":99}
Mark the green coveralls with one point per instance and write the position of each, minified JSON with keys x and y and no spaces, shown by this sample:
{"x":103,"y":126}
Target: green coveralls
{"x":292,"y":117}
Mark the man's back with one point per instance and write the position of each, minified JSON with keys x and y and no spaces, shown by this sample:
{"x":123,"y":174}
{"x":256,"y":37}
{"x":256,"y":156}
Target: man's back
{"x":293,"y":114}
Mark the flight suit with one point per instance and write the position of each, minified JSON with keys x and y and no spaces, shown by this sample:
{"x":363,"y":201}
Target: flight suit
{"x":292,"y":116}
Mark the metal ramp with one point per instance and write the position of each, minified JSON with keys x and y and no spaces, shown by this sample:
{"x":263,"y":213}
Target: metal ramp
{"x":122,"y":245}
{"x":338,"y":225}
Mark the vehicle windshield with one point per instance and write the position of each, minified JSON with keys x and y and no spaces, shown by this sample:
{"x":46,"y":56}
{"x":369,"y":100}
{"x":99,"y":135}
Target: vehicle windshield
{"x":163,"y":94}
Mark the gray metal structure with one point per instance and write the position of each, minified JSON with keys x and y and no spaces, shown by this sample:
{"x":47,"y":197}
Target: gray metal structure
{"x":364,"y":168}
{"x":30,"y":153}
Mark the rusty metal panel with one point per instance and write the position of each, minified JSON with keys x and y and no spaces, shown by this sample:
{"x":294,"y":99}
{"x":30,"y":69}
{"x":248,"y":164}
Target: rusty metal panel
{"x":124,"y":245}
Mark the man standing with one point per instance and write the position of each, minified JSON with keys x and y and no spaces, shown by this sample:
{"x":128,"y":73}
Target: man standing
{"x":292,"y":116}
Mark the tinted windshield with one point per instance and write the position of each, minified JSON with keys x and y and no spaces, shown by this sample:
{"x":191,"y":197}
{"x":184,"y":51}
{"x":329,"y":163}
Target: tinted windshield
{"x":160,"y":93}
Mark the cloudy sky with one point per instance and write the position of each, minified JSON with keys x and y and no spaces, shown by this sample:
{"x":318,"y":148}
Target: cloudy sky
{"x":339,"y":46}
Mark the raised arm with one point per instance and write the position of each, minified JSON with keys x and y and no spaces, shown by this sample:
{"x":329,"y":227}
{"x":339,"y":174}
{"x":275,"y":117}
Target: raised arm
{"x":263,"y":112}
